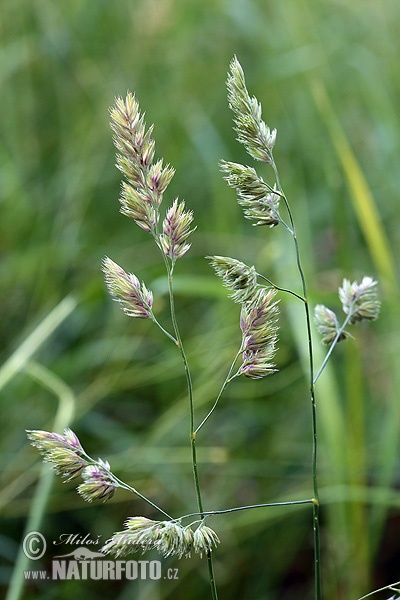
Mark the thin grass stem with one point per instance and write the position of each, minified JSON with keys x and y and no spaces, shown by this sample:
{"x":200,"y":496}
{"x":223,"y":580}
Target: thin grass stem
{"x":280,"y":289}
{"x":128,"y":487}
{"x":170,"y":271}
{"x":248,"y":507}
{"x":171,"y":337}
{"x":332,"y":346}
{"x":390,"y":587}
{"x":316,"y":526}
{"x":224,"y":385}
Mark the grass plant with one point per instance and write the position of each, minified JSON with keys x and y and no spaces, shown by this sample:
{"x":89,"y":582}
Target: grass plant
{"x":328,"y":81}
{"x":145,"y":183}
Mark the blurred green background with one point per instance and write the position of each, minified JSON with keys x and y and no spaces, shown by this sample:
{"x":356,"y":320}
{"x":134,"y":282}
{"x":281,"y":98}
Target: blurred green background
{"x":327,"y":76}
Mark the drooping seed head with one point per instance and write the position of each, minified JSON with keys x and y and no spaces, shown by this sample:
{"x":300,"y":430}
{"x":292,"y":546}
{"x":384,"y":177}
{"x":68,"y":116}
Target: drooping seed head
{"x":63,"y":452}
{"x":240,"y":279}
{"x":170,"y":538}
{"x":98,"y":483}
{"x":204,"y":540}
{"x":260,"y":202}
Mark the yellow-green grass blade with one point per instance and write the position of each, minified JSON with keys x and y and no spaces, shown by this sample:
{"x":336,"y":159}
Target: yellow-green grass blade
{"x":363,"y":202}
{"x":367,"y":214}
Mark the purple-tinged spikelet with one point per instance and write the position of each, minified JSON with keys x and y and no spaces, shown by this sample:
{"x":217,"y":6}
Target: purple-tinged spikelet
{"x":259,"y":330}
{"x":176,"y":230}
{"x":64,"y":452}
{"x":135,"y":299}
{"x":98,"y":483}
{"x":147,"y":181}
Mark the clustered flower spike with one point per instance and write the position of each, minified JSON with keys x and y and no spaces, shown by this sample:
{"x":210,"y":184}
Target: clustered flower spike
{"x":135,"y":299}
{"x":327,"y":324}
{"x":236,"y":276}
{"x":259,"y":201}
{"x":68,"y":459}
{"x":142,"y":194}
{"x":98,"y":482}
{"x":359,"y":302}
{"x":252,"y":132}
{"x":205,"y":539}
{"x":259,"y":334}
{"x":169,"y":538}
{"x":64,"y":452}
{"x":360,"y":299}
{"x":176,"y":230}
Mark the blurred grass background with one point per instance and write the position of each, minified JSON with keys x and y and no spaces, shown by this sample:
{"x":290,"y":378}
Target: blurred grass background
{"x":327,"y":76}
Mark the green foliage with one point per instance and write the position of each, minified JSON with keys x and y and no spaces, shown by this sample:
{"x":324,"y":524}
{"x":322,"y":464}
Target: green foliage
{"x":326,"y":74}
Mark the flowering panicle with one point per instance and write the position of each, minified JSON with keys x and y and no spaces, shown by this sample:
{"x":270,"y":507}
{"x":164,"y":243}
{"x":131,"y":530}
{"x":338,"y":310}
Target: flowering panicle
{"x":176,"y":230}
{"x":170,"y":538}
{"x":252,"y":132}
{"x":133,"y":205}
{"x":360,"y":300}
{"x":259,"y":201}
{"x":205,"y":539}
{"x":135,"y":299}
{"x":68,"y":459}
{"x":142,"y":195}
{"x":327,"y":325}
{"x":98,"y":483}
{"x":64,"y":452}
{"x":259,"y":334}
{"x":236,"y":276}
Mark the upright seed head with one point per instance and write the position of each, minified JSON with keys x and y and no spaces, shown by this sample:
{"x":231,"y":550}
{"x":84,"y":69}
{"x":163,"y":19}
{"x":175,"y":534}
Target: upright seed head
{"x":360,"y":299}
{"x":147,"y":181}
{"x":176,"y":230}
{"x":134,"y":204}
{"x":252,"y":132}
{"x":130,"y":136}
{"x":327,"y":324}
{"x":159,"y":177}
